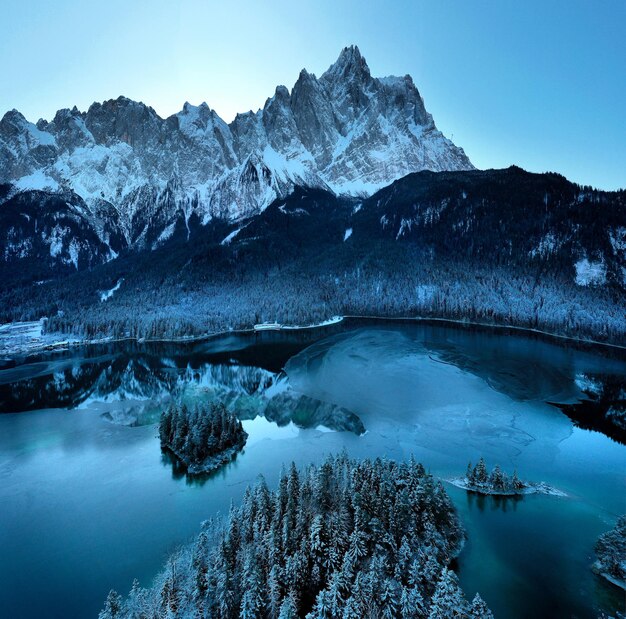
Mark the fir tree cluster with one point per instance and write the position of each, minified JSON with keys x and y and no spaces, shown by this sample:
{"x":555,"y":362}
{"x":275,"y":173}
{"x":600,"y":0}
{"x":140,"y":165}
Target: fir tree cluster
{"x":479,"y":479}
{"x":203,"y":437}
{"x":611,"y":551}
{"x":343,"y":540}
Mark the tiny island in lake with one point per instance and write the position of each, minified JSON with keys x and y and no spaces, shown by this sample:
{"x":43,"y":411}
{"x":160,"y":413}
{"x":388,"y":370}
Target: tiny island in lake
{"x":203,"y":438}
{"x":478,"y":479}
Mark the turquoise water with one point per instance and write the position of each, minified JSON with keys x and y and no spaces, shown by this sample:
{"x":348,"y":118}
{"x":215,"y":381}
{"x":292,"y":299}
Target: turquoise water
{"x":88,"y":505}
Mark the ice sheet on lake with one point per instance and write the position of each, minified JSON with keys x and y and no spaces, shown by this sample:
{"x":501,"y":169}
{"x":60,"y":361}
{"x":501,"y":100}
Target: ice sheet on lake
{"x":396,"y":385}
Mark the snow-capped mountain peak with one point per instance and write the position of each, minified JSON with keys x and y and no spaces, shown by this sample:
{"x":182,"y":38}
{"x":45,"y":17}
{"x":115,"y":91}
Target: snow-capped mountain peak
{"x":349,"y":68}
{"x":346,"y":131}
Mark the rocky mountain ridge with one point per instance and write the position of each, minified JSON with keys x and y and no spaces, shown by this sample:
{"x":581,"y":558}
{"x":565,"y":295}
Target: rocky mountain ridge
{"x":141,"y":176}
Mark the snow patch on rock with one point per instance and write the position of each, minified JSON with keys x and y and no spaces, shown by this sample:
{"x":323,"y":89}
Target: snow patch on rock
{"x":227,"y":240}
{"x":38,"y":181}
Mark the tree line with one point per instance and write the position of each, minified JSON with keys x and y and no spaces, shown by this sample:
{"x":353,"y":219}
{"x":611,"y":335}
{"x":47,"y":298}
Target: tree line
{"x":478,"y":478}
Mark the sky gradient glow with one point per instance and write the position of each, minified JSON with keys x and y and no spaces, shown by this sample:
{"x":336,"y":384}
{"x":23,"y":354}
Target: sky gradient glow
{"x":541,"y":84}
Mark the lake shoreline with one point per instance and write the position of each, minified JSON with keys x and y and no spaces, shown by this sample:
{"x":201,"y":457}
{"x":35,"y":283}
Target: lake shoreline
{"x":411,"y":404}
{"x":210,"y":464}
{"x":71,"y":344}
{"x":598,"y":569}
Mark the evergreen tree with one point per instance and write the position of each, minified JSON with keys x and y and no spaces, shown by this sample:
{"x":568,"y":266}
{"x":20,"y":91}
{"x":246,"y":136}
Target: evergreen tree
{"x":480,"y":472}
{"x":136,"y":605}
{"x":480,"y":610}
{"x":389,"y":600}
{"x":412,"y":603}
{"x":112,"y":606}
{"x":496,"y":478}
{"x":322,"y":608}
{"x":447,"y":601}
{"x":516,"y":484}
{"x":288,"y":609}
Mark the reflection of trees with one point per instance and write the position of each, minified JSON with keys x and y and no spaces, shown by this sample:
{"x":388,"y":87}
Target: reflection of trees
{"x":603,"y":410}
{"x":179,"y":470}
{"x":492,"y":502}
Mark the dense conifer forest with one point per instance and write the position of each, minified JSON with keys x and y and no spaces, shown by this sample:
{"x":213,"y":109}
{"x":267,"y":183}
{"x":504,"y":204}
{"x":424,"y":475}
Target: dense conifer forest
{"x":203,"y":437}
{"x":343,"y":540}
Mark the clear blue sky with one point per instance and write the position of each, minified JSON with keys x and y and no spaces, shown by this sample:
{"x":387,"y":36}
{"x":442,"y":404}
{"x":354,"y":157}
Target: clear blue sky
{"x":540,"y":83}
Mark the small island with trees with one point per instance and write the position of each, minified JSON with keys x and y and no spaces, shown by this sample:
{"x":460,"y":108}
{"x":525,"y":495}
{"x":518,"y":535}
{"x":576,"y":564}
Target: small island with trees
{"x":346,"y":539}
{"x":478,"y":479}
{"x":611,"y":552}
{"x":203,"y":438}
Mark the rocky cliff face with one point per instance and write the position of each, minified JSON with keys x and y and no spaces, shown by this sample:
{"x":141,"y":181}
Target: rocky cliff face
{"x":145,"y":176}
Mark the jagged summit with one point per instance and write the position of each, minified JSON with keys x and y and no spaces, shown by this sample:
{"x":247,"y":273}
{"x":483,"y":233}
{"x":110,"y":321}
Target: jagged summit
{"x":350,"y":63}
{"x":349,"y":55}
{"x":345,"y":131}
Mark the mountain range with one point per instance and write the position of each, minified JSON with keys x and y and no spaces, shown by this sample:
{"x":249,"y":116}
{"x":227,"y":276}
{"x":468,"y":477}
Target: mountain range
{"x":134,"y":176}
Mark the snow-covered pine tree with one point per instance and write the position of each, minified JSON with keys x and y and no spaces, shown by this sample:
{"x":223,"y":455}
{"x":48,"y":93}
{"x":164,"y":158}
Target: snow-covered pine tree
{"x":112,"y":607}
{"x":448,"y":601}
{"x":480,"y":610}
{"x":480,"y":472}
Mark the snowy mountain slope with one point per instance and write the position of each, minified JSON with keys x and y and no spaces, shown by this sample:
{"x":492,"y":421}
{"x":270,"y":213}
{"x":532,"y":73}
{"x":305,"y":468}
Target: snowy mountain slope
{"x":503,"y":246}
{"x":46,"y":235}
{"x":346,"y":131}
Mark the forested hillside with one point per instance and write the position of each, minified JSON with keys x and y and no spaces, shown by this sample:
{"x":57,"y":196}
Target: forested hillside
{"x":499,"y":246}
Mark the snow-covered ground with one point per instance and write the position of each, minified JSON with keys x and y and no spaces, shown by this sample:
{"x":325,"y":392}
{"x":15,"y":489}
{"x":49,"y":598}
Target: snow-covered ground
{"x":231,"y":236}
{"x":18,"y":338}
{"x":25,"y":337}
{"x":325,"y":323}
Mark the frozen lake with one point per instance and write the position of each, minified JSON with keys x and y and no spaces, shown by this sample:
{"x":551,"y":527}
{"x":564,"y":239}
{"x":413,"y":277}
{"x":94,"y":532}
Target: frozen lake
{"x":88,"y":502}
